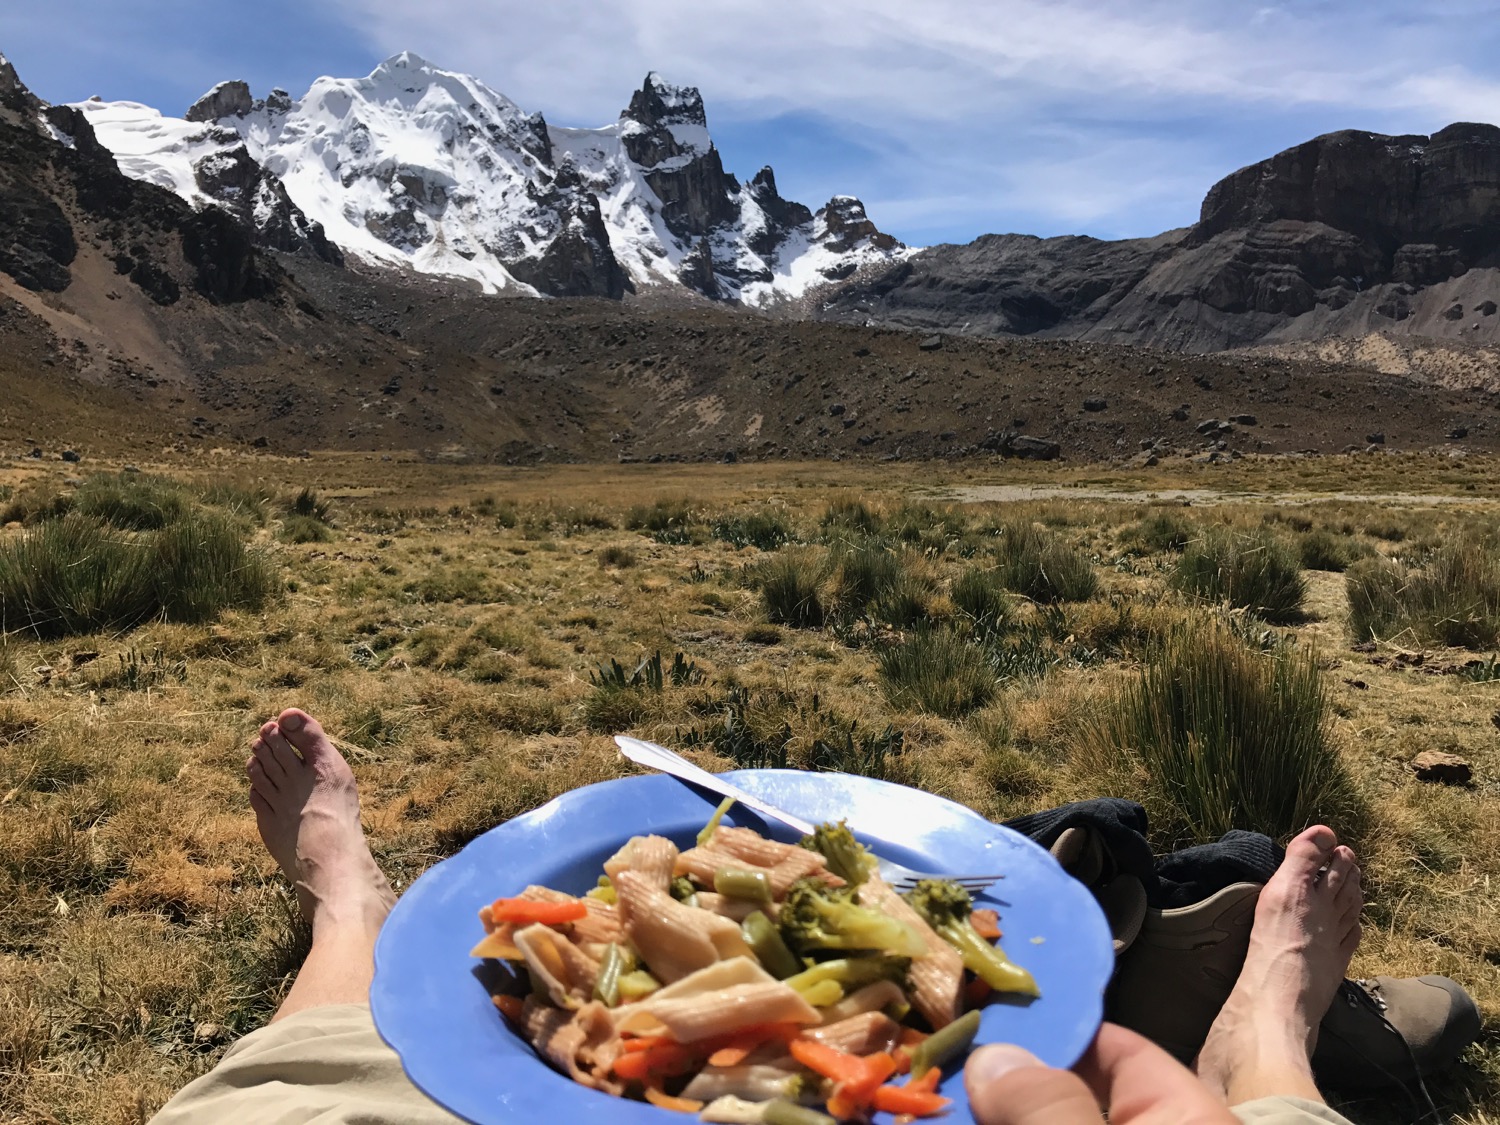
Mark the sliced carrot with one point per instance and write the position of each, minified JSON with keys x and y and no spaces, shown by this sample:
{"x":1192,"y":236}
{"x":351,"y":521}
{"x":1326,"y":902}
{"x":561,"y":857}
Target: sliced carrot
{"x":928,"y":1083}
{"x":976,"y":992}
{"x":733,"y":1049}
{"x":904,"y":1099}
{"x":840,"y":1066}
{"x":525,"y":912}
{"x":986,"y":924}
{"x":663,"y":1060}
{"x":658,"y":1097}
{"x":645,"y":1043}
{"x":510,"y":1007}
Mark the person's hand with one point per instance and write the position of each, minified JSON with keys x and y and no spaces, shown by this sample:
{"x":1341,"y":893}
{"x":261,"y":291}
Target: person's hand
{"x":1138,"y":1082}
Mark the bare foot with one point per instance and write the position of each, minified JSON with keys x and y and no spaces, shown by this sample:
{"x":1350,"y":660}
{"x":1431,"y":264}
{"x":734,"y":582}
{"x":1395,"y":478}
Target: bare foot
{"x":1306,"y":930}
{"x":307,"y":810}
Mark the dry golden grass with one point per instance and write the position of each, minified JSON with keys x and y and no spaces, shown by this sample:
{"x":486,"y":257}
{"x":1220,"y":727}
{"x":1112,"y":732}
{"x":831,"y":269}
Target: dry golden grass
{"x":446,"y":634}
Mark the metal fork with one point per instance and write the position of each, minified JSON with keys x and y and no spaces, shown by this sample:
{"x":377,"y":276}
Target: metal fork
{"x":660,"y":758}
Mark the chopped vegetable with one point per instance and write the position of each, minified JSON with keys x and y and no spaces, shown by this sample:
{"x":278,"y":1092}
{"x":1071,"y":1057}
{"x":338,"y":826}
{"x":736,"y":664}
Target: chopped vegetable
{"x":847,"y":857}
{"x":525,"y":912}
{"x":604,"y":892}
{"x":782,"y":1112}
{"x":497,"y":946}
{"x":910,"y":1099}
{"x":662,"y":1100}
{"x":737,"y":883}
{"x":707,"y":832}
{"x":855,"y":1078}
{"x":682,"y":889}
{"x":946,"y":907}
{"x":851,"y":973}
{"x":510,"y":1007}
{"x":816,"y":917}
{"x":731,"y":1110}
{"x":944,"y":1044}
{"x":607,"y":983}
{"x":637,"y":985}
{"x":660,"y":1060}
{"x":986,"y":924}
{"x":764,"y":940}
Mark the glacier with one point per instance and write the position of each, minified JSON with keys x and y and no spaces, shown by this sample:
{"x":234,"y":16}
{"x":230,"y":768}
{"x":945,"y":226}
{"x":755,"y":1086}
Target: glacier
{"x":418,"y":168}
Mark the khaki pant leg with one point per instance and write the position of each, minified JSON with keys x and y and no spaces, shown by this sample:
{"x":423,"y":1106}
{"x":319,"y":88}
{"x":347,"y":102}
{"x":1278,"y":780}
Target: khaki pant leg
{"x":1287,"y":1111}
{"x":326,"y":1065}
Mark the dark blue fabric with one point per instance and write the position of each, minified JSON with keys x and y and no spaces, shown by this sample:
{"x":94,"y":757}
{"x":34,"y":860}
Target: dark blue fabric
{"x":1178,"y":879}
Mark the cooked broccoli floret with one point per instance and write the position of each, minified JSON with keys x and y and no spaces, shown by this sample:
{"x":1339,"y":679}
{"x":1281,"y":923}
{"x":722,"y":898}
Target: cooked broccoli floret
{"x":946,"y":907}
{"x":846,"y":856}
{"x":682,"y":888}
{"x":815,"y":916}
{"x":853,"y":973}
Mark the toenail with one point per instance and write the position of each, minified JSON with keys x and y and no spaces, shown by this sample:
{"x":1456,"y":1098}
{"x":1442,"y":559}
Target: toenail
{"x":291,"y":723}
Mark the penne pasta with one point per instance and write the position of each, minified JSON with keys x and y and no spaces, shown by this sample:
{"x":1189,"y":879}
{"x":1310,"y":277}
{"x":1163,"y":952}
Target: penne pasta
{"x":662,"y":996}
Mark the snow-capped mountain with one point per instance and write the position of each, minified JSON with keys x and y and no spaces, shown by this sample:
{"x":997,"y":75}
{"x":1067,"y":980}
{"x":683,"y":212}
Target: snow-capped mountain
{"x":421,"y":168}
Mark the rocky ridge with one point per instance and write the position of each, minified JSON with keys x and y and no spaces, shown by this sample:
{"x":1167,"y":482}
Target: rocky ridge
{"x":426,"y":170}
{"x":1348,"y":234}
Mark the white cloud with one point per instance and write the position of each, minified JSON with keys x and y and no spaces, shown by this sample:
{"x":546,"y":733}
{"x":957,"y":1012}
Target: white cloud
{"x":994,"y":77}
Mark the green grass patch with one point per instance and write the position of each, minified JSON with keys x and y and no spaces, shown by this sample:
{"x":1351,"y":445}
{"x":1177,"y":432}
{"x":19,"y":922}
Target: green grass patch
{"x":1248,"y":570}
{"x":1038,"y":564}
{"x":1452,"y":599}
{"x":1228,"y":738}
{"x":937,"y":670}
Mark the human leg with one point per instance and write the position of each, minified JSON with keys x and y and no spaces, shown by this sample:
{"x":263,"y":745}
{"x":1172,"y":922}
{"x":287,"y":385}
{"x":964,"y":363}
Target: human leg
{"x":1305,"y":931}
{"x":307,"y":809}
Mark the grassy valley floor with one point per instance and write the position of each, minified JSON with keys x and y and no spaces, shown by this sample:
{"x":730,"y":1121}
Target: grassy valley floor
{"x":449,"y":624}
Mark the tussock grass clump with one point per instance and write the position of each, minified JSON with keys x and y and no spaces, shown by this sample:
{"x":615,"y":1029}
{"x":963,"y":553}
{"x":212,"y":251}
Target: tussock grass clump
{"x":792,"y":588}
{"x":1321,"y":549}
{"x":134,"y":501}
{"x":909,"y":599}
{"x":937,"y":670}
{"x":36,"y":503}
{"x":850,"y":514}
{"x":1228,"y":737}
{"x":1249,"y":570}
{"x":1039,"y":565}
{"x":1163,"y":531}
{"x":304,"y":529}
{"x":1454,"y":599}
{"x":617,"y":555}
{"x":767,"y":530}
{"x":863,"y":572}
{"x":76,"y":575}
{"x":981,"y":598}
{"x":664,"y":515}
{"x":201,"y":567}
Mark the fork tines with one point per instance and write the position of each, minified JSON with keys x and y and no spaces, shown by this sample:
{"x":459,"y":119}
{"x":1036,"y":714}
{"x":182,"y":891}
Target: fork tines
{"x":971,"y":883}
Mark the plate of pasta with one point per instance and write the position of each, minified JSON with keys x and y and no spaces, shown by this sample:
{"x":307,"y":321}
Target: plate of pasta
{"x":626,"y":952}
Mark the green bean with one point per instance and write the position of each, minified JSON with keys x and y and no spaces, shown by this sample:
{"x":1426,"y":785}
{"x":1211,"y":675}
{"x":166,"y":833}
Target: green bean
{"x":782,"y":1112}
{"x":731,"y":882}
{"x":707,"y":832}
{"x":945,"y":1044}
{"x":607,"y":983}
{"x":764,"y":940}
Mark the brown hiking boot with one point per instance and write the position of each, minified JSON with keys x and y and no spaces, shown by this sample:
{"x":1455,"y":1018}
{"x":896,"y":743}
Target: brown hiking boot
{"x":1389,"y":1031}
{"x":1170,"y":984}
{"x":1082,"y":853}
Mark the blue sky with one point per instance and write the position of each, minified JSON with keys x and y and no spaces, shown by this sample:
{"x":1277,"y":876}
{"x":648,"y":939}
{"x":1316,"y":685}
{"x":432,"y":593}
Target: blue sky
{"x":949,"y":118}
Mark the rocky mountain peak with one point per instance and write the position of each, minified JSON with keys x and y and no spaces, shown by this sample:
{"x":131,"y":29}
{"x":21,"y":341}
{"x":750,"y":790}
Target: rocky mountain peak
{"x":14,"y":96}
{"x":848,"y":225}
{"x":658,"y":102}
{"x":227,"y":99}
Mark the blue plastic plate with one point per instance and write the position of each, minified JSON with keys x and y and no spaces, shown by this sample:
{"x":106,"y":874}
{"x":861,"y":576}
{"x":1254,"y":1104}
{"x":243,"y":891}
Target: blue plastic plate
{"x":430,"y":1007}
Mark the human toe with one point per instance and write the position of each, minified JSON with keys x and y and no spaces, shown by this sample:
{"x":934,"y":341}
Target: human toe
{"x":1343,"y":872}
{"x":259,"y":779}
{"x":285,"y":754}
{"x":1312,"y":849}
{"x":304,"y":732}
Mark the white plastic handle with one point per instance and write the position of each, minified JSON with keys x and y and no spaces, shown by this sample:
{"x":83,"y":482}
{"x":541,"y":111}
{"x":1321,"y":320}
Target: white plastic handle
{"x":656,"y":757}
